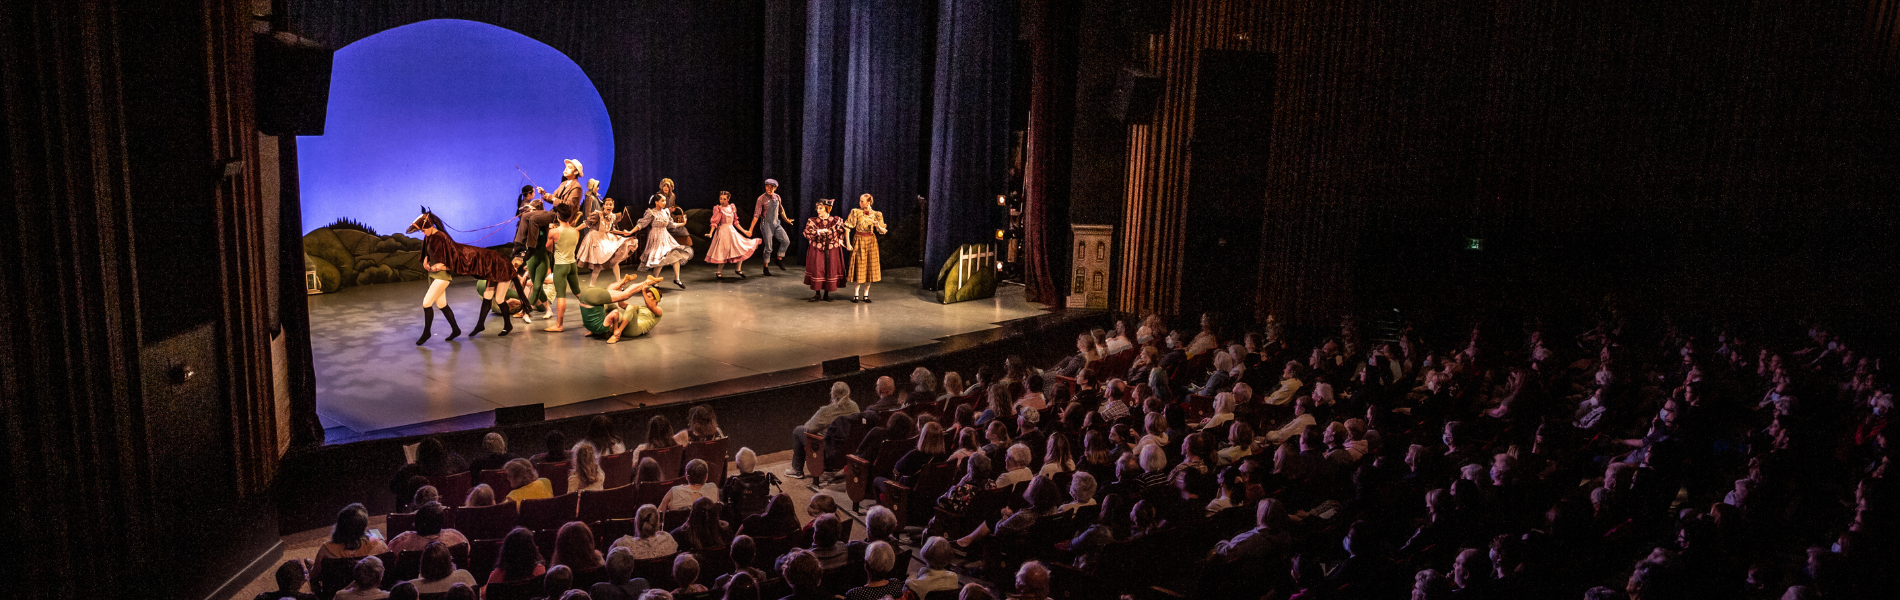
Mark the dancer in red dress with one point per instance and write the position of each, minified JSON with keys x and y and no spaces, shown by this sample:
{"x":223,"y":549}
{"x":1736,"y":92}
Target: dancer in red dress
{"x":729,"y":245}
{"x":442,"y":254}
{"x":824,"y":257}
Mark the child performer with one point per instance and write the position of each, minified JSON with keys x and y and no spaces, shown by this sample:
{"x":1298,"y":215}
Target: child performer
{"x":441,"y":254}
{"x":728,"y":245}
{"x":605,"y":244}
{"x":865,"y":225}
{"x":562,"y":240}
{"x":661,"y":249}
{"x":824,"y":256}
{"x":773,"y":211}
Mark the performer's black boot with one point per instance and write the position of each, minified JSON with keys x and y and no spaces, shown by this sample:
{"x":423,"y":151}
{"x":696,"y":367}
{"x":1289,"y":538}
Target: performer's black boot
{"x":482,"y":323}
{"x":827,"y":296}
{"x":507,"y":320}
{"x":768,"y":269}
{"x":428,"y":322}
{"x":455,"y":330}
{"x":816,"y":296}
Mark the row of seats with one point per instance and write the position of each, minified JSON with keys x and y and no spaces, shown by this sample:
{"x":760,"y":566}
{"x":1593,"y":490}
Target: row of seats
{"x":616,"y":469}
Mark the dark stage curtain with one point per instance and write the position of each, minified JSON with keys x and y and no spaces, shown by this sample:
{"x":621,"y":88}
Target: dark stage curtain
{"x":827,"y":54}
{"x":883,"y":111}
{"x":1052,"y":59}
{"x":682,"y":81}
{"x":783,"y":98}
{"x":969,"y":146}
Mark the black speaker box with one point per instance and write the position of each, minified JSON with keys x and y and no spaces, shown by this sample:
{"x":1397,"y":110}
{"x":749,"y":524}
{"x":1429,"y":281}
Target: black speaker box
{"x":516,"y":415}
{"x":841,"y":366}
{"x":1136,"y":94}
{"x":293,"y":85}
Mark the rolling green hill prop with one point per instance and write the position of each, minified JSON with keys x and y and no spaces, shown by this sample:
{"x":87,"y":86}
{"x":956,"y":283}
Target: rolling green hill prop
{"x":346,"y":257}
{"x":970,"y":274}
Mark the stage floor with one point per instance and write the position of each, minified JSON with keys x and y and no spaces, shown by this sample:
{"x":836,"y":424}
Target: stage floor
{"x":371,"y":376}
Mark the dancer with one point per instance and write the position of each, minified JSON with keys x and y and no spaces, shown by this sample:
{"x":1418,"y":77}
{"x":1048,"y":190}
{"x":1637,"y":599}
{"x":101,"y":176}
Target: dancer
{"x":441,"y":253}
{"x":661,"y":250}
{"x":531,"y":254}
{"x":591,"y":201}
{"x":562,"y":241}
{"x":606,"y":244}
{"x":824,"y":255}
{"x":728,"y":244}
{"x":604,"y":312}
{"x":773,"y":211}
{"x":865,"y":225}
{"x":570,"y":191}
{"x":530,"y":199}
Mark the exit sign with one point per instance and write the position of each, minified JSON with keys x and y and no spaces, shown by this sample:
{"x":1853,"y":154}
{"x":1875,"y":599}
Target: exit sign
{"x":1474,"y":243}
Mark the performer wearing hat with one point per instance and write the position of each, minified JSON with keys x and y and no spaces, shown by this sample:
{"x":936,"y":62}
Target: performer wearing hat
{"x":728,"y":245}
{"x":824,"y":255}
{"x":773,"y":211}
{"x":865,"y":225}
{"x":570,"y":191}
{"x":661,"y":250}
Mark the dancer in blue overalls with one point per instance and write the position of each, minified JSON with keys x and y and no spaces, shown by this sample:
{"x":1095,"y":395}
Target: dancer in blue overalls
{"x":770,"y":208}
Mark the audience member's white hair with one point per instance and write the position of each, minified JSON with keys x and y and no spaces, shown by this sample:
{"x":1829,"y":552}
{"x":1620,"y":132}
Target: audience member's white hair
{"x":1153,"y":460}
{"x":494,"y":443}
{"x":1242,"y":393}
{"x":1082,"y":486}
{"x":1033,"y":579}
{"x":746,"y":460}
{"x":1018,"y":457}
{"x":937,"y":553}
{"x":879,"y":558}
{"x":920,"y":378}
{"x":840,"y":391}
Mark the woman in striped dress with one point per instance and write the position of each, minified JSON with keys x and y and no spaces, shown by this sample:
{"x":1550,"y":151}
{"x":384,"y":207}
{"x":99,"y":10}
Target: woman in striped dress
{"x":824,"y":258}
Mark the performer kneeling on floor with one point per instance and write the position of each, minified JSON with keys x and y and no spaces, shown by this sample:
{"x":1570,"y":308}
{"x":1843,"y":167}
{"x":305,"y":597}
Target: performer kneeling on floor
{"x":445,"y":258}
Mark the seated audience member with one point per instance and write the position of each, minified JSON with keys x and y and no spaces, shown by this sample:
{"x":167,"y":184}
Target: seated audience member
{"x":1057,"y":458}
{"x":439,"y":571}
{"x":777,"y":520}
{"x":425,"y":495}
{"x":821,"y":505}
{"x":743,"y":551}
{"x":1223,"y":411}
{"x":682,"y":496}
{"x":1032,"y":582}
{"x":1042,"y":497}
{"x":1302,"y":417}
{"x":649,"y":539}
{"x":479,"y":496}
{"x":600,"y":433}
{"x":741,"y":586}
{"x":494,"y":453}
{"x":1267,"y":538}
{"x":620,"y":583}
{"x":528,"y":484}
{"x":433,"y":459}
{"x":746,"y":492}
{"x":1033,"y":398}
{"x":1154,"y":430}
{"x":1015,"y":467}
{"x":880,"y":563}
{"x":574,"y":548}
{"x":556,"y":449}
{"x":702,"y":425}
{"x":966,"y":441}
{"x":828,"y":545}
{"x":1240,"y":440}
{"x":403,"y":590}
{"x":923,"y":386}
{"x":1082,"y":491}
{"x":897,"y":426}
{"x":839,"y":406}
{"x":999,"y":406}
{"x":1233,"y":491}
{"x":559,"y":581}
{"x":519,"y":559}
{"x":805,"y":575}
{"x":686,"y":574}
{"x":1290,"y":385}
{"x":291,"y":577}
{"x":350,"y":538}
{"x":659,"y":437}
{"x":702,"y":529}
{"x":585,"y":474}
{"x":647,"y":470}
{"x":459,"y":591}
{"x":887,"y":397}
{"x":930,"y":450}
{"x":936,"y":574}
{"x":366,"y":583}
{"x":429,"y":528}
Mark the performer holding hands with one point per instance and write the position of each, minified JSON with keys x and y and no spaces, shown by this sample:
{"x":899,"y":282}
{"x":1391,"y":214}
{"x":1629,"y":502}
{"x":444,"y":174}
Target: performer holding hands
{"x":865,"y":225}
{"x":728,"y":245}
{"x":772,"y":210}
{"x":824,"y":257}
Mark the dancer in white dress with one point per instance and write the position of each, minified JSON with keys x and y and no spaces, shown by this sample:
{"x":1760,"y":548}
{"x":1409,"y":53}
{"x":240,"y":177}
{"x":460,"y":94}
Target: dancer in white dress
{"x":606,"y":244}
{"x":660,"y":249}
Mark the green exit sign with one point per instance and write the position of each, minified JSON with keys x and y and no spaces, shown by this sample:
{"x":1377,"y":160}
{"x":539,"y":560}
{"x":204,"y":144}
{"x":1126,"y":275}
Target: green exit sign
{"x":1474,"y":243}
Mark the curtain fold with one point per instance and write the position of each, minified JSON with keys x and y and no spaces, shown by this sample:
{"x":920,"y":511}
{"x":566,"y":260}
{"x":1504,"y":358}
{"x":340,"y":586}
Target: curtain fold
{"x":969,"y":145}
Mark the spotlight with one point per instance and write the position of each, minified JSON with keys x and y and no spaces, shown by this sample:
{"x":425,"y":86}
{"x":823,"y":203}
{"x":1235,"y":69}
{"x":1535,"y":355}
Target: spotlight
{"x":999,"y":234}
{"x":1002,"y":200}
{"x":999,"y":265}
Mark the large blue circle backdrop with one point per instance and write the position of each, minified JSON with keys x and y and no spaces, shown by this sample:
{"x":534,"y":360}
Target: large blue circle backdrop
{"x":440,"y":113}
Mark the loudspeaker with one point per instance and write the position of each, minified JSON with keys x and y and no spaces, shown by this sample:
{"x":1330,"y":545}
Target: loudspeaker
{"x":516,"y":415}
{"x":293,"y":85}
{"x":1136,"y":94}
{"x":841,"y":366}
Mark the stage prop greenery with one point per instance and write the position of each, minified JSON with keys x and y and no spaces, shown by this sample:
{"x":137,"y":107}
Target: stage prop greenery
{"x":970,"y":274}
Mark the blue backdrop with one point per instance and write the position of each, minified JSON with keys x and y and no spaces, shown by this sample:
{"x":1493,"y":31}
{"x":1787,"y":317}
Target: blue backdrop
{"x":440,"y":113}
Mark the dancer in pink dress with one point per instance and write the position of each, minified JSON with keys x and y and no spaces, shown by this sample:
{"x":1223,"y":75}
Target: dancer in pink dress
{"x":729,"y":245}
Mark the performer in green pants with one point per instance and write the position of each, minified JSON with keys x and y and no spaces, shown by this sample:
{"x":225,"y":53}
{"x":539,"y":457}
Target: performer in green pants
{"x":605,"y":313}
{"x":563,"y":239}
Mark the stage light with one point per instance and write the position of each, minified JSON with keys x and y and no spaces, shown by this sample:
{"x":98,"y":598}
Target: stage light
{"x":999,"y":234}
{"x":999,"y":265}
{"x":1002,"y":200}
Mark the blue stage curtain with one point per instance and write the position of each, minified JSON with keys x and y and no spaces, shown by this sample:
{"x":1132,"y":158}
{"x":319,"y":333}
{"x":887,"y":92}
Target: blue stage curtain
{"x":827,"y":50}
{"x":884,"y":109}
{"x":783,"y":101}
{"x":681,"y":80}
{"x":969,"y":146}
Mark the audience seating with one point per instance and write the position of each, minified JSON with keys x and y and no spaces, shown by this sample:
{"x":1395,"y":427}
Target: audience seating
{"x":933,"y":408}
{"x":711,"y":451}
{"x":497,"y":479}
{"x":860,"y":472}
{"x":605,"y":532}
{"x":453,"y":488}
{"x":556,"y":474}
{"x":611,"y":503}
{"x":488,"y":522}
{"x":396,"y":523}
{"x":482,"y":555}
{"x":814,"y":454}
{"x":527,"y":589}
{"x":668,"y":457}
{"x":587,"y":578}
{"x":334,"y":574}
{"x":658,"y":571}
{"x":713,"y":562}
{"x":770,"y":548}
{"x":914,"y":503}
{"x":653,"y":492}
{"x":548,"y":513}
{"x":616,"y":469}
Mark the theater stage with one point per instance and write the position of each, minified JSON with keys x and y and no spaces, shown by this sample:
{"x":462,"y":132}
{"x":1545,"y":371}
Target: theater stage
{"x":715,"y":338}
